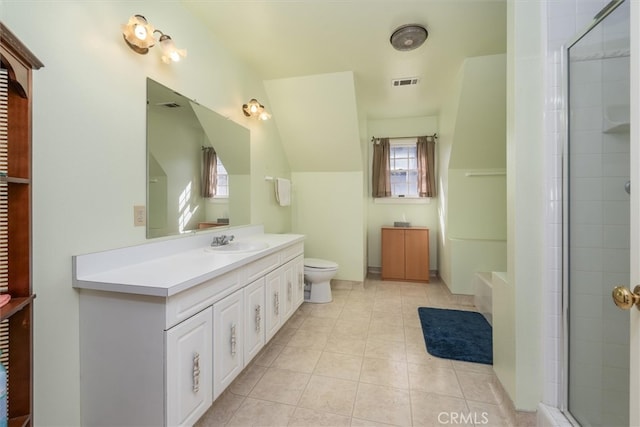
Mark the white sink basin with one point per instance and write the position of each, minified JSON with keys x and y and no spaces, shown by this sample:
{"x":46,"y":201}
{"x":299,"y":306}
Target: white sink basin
{"x":239,"y":247}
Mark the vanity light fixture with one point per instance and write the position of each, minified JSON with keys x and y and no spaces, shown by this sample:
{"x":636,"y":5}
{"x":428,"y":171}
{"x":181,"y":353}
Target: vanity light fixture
{"x":170,"y":53}
{"x":138,"y":34}
{"x":254,"y":109}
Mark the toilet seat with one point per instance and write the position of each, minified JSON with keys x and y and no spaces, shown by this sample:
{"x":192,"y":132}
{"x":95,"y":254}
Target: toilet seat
{"x":319,"y":264}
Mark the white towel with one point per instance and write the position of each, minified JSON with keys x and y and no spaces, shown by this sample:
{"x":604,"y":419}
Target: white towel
{"x":283,"y":191}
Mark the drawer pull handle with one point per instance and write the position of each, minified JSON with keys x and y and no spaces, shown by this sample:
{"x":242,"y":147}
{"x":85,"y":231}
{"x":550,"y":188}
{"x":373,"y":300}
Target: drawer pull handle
{"x":289,"y":292}
{"x":196,"y":372}
{"x":258,"y":318}
{"x":276,"y":302}
{"x":233,"y":340}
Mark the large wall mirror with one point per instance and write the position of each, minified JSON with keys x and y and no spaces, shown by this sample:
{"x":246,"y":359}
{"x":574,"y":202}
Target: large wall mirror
{"x":181,"y":136}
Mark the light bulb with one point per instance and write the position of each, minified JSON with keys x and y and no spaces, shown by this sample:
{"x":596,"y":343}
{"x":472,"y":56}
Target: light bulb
{"x":264,"y":115}
{"x":140,"y":31}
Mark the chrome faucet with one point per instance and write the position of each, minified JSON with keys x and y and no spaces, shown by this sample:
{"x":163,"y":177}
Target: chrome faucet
{"x":222,"y":240}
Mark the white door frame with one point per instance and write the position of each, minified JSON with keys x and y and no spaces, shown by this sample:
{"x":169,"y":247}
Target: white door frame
{"x":634,"y":338}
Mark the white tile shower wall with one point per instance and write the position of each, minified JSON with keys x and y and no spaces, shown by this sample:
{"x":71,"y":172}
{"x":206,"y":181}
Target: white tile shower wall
{"x":602,"y":83}
{"x":564,"y":18}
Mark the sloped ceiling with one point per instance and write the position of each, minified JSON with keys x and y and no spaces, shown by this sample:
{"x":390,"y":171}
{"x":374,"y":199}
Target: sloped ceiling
{"x":291,"y":43}
{"x":283,"y":39}
{"x":481,"y":119}
{"x":317,"y":121}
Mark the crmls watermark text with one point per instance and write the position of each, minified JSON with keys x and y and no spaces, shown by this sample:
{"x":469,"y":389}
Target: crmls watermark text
{"x":463,"y":418}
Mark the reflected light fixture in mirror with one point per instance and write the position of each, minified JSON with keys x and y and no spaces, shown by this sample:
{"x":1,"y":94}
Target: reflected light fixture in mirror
{"x":254,"y":109}
{"x":138,"y":34}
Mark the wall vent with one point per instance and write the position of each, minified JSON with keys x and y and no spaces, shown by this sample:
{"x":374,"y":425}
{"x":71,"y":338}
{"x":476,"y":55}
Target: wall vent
{"x":168,"y":104}
{"x":406,"y":81}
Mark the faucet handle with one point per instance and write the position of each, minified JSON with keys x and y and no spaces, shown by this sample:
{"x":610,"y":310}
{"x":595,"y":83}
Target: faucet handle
{"x":231,"y":237}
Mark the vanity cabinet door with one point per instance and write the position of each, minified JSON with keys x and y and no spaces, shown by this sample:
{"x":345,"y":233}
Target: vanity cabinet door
{"x":254,"y":321}
{"x":274,"y":303}
{"x":289,"y":288}
{"x":188,"y":369}
{"x":299,"y":281}
{"x":228,"y":340}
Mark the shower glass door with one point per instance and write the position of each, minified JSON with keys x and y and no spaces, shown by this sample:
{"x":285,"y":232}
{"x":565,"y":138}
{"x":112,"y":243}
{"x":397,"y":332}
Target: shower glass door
{"x":597,"y":221}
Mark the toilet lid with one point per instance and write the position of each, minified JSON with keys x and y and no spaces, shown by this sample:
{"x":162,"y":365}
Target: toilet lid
{"x":319,"y":263}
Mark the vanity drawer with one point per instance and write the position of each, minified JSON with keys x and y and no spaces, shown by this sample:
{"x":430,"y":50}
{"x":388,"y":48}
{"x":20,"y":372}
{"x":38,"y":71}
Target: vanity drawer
{"x":259,"y":268}
{"x":185,"y":304}
{"x":291,"y":252}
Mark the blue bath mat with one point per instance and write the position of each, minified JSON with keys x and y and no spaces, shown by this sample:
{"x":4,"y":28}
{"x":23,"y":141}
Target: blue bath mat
{"x":457,"y":335}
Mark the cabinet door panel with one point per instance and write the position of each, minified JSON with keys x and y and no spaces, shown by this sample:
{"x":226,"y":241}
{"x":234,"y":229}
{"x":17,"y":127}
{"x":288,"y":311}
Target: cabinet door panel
{"x":417,"y":254}
{"x":254,"y":321}
{"x":393,"y":254}
{"x":188,"y":369}
{"x":299,"y":282}
{"x":289,"y":288}
{"x":274,"y":301}
{"x":227,"y":341}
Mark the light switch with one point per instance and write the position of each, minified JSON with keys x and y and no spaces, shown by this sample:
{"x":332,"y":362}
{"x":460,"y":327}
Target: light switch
{"x":139,"y":216}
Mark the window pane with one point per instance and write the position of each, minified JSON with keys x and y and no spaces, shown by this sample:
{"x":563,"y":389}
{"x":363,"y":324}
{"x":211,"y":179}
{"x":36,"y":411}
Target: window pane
{"x":400,"y":151}
{"x":404,"y":174}
{"x":401,"y":164}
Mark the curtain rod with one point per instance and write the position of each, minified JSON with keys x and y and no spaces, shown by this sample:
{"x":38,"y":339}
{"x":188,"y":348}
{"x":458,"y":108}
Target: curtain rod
{"x":434,"y":136}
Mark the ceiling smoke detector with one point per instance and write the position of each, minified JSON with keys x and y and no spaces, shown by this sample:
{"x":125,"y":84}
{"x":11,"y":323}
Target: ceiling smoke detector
{"x":408,"y":37}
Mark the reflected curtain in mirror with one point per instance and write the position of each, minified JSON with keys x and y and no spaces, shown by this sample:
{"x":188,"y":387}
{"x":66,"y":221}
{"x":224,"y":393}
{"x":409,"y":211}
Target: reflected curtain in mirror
{"x":209,"y":172}
{"x":426,"y":148}
{"x":381,"y":181}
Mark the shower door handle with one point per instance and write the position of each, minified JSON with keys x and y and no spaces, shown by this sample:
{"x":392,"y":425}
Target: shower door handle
{"x":625,"y":299}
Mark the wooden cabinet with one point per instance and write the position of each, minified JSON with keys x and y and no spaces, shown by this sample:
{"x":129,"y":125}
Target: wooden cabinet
{"x":405,"y":254}
{"x":189,"y":362}
{"x":16,"y":64}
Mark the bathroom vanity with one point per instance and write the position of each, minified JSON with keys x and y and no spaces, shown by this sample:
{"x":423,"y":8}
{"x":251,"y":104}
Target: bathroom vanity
{"x":166,"y":326}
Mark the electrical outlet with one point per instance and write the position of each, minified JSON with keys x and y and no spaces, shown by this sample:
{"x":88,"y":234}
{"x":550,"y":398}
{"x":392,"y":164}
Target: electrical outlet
{"x":139,"y":216}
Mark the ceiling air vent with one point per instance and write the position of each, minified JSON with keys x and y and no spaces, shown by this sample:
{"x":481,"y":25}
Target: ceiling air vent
{"x":407,"y":81}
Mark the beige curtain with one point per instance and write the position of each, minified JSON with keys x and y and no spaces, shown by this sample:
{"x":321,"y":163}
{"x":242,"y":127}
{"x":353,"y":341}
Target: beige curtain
{"x":209,"y":172}
{"x":381,"y":181}
{"x":425,"y":151}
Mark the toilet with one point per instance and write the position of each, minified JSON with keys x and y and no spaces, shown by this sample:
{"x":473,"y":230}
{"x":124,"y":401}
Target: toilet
{"x":317,"y":279}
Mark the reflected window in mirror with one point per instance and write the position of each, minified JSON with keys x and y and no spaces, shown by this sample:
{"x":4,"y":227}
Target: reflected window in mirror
{"x":222,"y":184}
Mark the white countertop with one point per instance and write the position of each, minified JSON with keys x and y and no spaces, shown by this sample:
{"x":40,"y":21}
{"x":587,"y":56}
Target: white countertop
{"x":177,"y":267}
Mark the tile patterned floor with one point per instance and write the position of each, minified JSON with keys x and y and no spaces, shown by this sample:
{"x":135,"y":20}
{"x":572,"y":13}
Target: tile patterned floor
{"x":361,"y":361}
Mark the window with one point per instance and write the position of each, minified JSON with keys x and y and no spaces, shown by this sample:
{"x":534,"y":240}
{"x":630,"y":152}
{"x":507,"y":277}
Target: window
{"x":222,"y":187}
{"x":403,"y":169}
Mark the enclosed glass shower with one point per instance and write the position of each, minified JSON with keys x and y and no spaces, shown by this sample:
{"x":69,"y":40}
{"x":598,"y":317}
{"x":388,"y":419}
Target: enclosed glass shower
{"x":597,"y":221}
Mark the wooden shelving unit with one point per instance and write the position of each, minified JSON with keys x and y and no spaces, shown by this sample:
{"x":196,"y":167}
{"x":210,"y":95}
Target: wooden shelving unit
{"x":17,"y":62}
